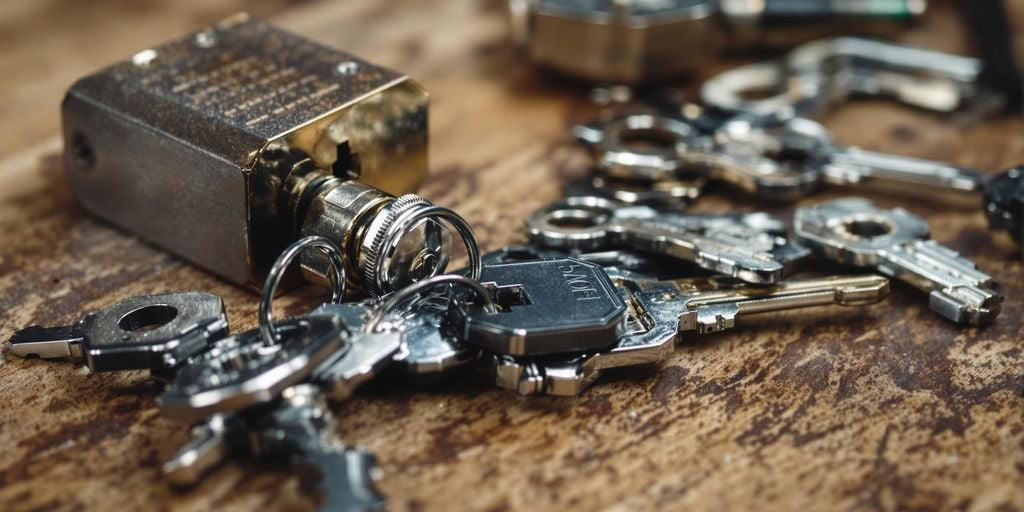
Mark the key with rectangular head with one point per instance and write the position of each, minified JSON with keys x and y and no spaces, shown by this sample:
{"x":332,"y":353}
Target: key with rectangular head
{"x":660,"y":312}
{"x":155,"y":332}
{"x":547,"y":306}
{"x":749,"y":246}
{"x":895,"y":243}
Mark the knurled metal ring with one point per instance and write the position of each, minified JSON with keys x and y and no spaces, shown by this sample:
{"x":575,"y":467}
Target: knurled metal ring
{"x":396,"y":299}
{"x":268,"y":330}
{"x":410,"y":218}
{"x":375,"y":252}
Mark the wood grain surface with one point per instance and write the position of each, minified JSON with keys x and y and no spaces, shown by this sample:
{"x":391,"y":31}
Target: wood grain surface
{"x":886,"y":407}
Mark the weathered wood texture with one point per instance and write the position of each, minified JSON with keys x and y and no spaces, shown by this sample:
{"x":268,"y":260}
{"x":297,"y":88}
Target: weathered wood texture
{"x":886,"y":407}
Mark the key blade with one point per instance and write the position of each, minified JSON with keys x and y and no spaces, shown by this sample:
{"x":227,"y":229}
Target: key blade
{"x":47,"y":342}
{"x":715,"y":313}
{"x":209,"y":445}
{"x":346,"y":478}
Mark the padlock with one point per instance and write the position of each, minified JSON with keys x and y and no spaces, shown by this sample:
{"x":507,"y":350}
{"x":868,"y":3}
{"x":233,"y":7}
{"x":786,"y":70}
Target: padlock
{"x":226,"y":145}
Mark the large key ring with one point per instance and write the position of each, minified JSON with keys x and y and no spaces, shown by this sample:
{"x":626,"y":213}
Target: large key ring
{"x":267,"y":328}
{"x":406,"y":221}
{"x":398,"y":298}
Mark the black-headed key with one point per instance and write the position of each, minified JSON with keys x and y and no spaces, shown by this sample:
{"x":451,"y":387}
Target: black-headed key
{"x":155,"y":332}
{"x":547,"y":307}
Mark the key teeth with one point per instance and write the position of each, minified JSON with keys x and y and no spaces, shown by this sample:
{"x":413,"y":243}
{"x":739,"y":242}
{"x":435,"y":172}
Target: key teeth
{"x":966,"y":305}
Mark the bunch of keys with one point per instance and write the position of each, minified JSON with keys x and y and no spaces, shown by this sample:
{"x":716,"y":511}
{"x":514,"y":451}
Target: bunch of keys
{"x":784,"y":159}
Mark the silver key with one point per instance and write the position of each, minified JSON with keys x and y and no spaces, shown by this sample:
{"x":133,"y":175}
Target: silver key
{"x":894,"y":242}
{"x":300,"y":429}
{"x":661,"y":311}
{"x":748,"y":246}
{"x":785,"y":160}
{"x":818,"y":75}
{"x":430,"y":325}
{"x":240,"y":371}
{"x":155,"y":332}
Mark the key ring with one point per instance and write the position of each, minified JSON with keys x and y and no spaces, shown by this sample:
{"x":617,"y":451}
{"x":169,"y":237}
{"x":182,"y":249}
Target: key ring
{"x":396,"y":299}
{"x":268,"y":331}
{"x":406,"y":220}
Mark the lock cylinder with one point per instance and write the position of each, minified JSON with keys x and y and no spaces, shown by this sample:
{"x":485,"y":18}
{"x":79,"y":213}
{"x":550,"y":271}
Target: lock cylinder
{"x":389,"y":242}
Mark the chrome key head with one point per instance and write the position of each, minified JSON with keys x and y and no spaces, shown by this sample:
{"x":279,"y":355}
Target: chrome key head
{"x":750,"y":246}
{"x":240,"y":371}
{"x":894,"y":242}
{"x":638,"y":146}
{"x":547,"y":306}
{"x":155,"y":332}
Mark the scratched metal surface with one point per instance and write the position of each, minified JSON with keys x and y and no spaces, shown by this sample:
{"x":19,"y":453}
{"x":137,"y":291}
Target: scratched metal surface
{"x":886,"y":407}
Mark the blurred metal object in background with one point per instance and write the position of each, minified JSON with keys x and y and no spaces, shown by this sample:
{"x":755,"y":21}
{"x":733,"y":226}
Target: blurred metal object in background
{"x":641,"y":41}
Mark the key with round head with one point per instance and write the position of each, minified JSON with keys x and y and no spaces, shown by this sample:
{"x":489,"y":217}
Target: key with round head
{"x":787,"y":159}
{"x":155,"y":332}
{"x":660,"y":312}
{"x":895,"y":243}
{"x":241,"y":371}
{"x":749,"y":246}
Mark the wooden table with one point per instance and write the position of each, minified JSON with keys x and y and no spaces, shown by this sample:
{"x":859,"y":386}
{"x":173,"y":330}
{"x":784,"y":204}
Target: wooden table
{"x":884,"y":407}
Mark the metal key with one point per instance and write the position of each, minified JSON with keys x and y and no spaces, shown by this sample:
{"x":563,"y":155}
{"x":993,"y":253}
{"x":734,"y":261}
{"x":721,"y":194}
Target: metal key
{"x":625,"y":262}
{"x":547,"y":306}
{"x":240,"y":371}
{"x":749,"y":246}
{"x":894,"y":242}
{"x":820,"y":74}
{"x":301,"y":430}
{"x":785,"y":160}
{"x":430,"y":326}
{"x":662,"y":311}
{"x":155,"y":332}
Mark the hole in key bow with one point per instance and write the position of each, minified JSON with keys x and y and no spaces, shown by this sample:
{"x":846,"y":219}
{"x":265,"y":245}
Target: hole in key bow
{"x":148,"y":318}
{"x":867,"y":228}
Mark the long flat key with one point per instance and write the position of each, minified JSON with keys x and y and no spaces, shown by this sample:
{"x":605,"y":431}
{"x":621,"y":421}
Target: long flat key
{"x":547,"y":306}
{"x":300,"y":430}
{"x":751,"y":247}
{"x":155,"y":332}
{"x":240,"y":371}
{"x":661,"y":311}
{"x":894,"y":242}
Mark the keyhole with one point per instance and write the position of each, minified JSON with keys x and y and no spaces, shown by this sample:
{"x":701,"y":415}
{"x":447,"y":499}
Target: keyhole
{"x":148,"y":318}
{"x":346,"y":163}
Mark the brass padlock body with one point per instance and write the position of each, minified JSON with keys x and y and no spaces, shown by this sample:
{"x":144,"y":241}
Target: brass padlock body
{"x":203,"y":145}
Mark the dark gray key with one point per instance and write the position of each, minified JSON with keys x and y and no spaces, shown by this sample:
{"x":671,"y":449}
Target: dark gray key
{"x":240,"y":371}
{"x":155,"y":332}
{"x":547,"y":306}
{"x":300,"y":430}
{"x":623,"y":261}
